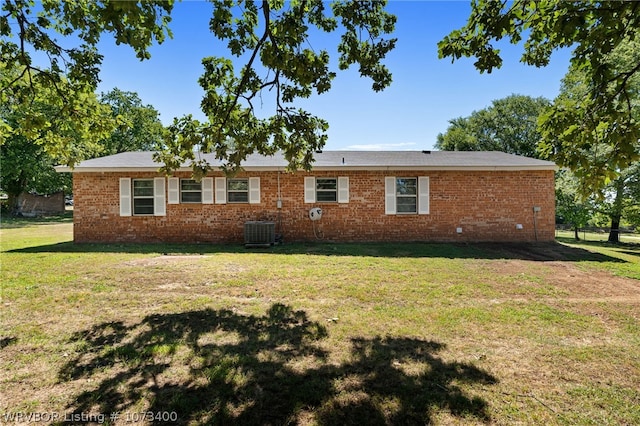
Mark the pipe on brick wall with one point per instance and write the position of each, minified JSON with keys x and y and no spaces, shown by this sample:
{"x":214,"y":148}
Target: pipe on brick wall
{"x":279,"y":233}
{"x":536,"y":209}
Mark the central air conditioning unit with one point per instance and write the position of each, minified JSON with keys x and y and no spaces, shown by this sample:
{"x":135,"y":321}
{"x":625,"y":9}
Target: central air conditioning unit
{"x":259,"y":234}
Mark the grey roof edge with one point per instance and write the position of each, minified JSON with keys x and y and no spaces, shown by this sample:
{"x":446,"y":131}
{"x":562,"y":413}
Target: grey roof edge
{"x":335,"y":161}
{"x":65,"y":169}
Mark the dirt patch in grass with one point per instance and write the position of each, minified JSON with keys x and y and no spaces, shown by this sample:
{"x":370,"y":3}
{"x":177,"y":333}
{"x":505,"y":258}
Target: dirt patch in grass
{"x":578,"y":283}
{"x":594,"y":285}
{"x":166,"y":260}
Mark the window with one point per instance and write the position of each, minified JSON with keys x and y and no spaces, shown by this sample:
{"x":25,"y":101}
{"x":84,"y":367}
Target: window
{"x":143,"y":199}
{"x":406,"y":195}
{"x":238,"y":190}
{"x":190,"y":191}
{"x":326,"y":190}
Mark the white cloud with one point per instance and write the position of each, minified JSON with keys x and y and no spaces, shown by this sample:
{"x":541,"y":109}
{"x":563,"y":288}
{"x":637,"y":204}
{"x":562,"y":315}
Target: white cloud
{"x":403,"y":146}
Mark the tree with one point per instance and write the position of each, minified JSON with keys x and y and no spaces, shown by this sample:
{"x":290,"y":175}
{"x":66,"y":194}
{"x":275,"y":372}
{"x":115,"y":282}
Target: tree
{"x":68,"y":80}
{"x":587,"y":139}
{"x":28,"y":154}
{"x":621,"y":199}
{"x":27,"y":168}
{"x":508,"y":125}
{"x":577,"y":134}
{"x":595,"y":30}
{"x":271,"y":38}
{"x":571,"y":207}
{"x":138,"y":126}
{"x":277,"y":35}
{"x":458,"y":137}
{"x":28,"y":164}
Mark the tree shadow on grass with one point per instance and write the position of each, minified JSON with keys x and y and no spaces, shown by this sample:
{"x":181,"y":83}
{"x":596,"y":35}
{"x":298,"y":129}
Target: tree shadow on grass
{"x":6,"y":341}
{"x":221,"y":367}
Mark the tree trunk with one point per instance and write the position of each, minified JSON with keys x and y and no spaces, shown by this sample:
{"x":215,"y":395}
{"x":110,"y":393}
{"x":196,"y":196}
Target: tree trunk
{"x":575,"y":233}
{"x":614,"y":232}
{"x":12,"y":203}
{"x":14,"y":187}
{"x":616,"y":213}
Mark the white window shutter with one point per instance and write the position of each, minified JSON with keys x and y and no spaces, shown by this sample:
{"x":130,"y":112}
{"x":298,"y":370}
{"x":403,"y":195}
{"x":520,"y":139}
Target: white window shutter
{"x":125,"y":196}
{"x":423,"y":195}
{"x":207,"y":190}
{"x":309,"y":190}
{"x":221,"y":190}
{"x":174,"y":191}
{"x":159,"y":206}
{"x":343,"y":189}
{"x":254,"y":190}
{"x":390,"y":195}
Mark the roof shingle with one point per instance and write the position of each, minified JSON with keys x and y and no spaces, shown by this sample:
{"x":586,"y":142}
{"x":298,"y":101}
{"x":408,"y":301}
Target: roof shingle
{"x":337,"y":160}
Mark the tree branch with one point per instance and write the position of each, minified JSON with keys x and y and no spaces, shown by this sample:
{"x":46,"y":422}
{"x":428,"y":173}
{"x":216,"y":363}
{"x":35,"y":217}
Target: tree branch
{"x":15,"y":80}
{"x":28,"y":68}
{"x":243,"y":81}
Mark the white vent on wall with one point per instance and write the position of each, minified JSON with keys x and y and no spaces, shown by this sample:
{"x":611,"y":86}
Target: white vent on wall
{"x":259,"y":234}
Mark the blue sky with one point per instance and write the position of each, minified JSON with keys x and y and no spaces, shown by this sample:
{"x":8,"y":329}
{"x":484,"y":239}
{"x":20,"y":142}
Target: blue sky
{"x":425,"y":94}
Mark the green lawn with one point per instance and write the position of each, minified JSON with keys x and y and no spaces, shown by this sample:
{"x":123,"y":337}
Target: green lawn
{"x":625,"y":238}
{"x":318,"y":333}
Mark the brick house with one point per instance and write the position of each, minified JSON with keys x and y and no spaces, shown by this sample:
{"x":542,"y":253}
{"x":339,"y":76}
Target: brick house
{"x":364,"y":196}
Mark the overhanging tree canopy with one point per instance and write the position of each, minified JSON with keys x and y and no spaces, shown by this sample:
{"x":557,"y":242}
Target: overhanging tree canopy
{"x":63,"y":37}
{"x":577,"y":133}
{"x":274,"y":38}
{"x":594,"y":29}
{"x":29,"y":152}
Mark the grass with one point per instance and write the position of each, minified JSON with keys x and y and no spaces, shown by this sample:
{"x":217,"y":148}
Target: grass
{"x":627,"y":253}
{"x":319,"y":333}
{"x":599,"y":237}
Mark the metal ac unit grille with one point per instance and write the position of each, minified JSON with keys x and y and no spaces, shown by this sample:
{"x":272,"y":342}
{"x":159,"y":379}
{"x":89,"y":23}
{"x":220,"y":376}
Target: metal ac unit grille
{"x":259,"y":234}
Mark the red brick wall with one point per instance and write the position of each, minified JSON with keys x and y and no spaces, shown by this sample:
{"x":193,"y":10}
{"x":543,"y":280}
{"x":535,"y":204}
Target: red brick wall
{"x":486,"y":205}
